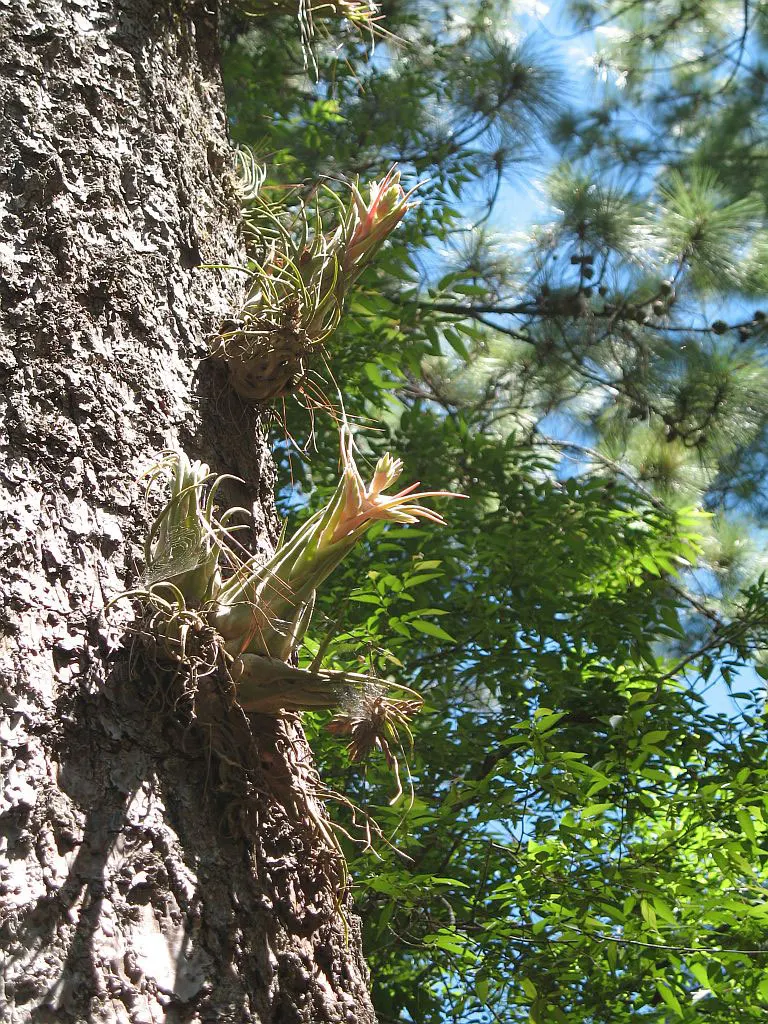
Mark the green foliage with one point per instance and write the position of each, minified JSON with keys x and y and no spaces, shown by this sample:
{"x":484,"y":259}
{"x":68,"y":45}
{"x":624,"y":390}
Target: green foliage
{"x":586,"y":837}
{"x":595,"y":215}
{"x":705,"y":230}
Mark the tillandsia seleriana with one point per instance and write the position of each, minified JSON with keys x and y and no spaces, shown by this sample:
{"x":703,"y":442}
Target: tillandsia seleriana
{"x":359,"y":15}
{"x":197,"y":583}
{"x":300,"y":277}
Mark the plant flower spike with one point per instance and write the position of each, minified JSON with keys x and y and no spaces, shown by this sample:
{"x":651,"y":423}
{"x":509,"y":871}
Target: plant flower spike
{"x":300,"y":282}
{"x":387,"y":204}
{"x":264,"y":611}
{"x":205,"y":606}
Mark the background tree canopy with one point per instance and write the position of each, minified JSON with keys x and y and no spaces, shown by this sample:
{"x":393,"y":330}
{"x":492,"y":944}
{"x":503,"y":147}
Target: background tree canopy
{"x":586,"y":837}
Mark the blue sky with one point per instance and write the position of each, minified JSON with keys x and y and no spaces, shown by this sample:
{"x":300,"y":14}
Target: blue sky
{"x":549,"y":28}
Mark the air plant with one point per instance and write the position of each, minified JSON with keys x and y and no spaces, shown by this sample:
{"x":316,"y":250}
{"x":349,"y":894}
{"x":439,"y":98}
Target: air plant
{"x":360,"y":15}
{"x":250,"y":174}
{"x":258,"y":613}
{"x":300,"y":279}
{"x":264,"y":611}
{"x":182,"y":549}
{"x":181,"y":556}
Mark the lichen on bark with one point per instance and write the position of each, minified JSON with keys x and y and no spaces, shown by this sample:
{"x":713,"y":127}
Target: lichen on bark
{"x":143,"y":877}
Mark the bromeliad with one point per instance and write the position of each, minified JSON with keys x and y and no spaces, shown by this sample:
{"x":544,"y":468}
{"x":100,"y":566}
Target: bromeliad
{"x":308,"y":259}
{"x":266,"y":609}
{"x":260,"y":612}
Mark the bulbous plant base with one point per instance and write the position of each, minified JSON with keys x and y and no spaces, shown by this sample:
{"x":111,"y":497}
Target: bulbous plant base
{"x":258,"y":758}
{"x":265,"y":363}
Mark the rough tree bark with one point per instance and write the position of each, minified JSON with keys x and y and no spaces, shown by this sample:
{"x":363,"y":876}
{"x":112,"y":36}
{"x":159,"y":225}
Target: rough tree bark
{"x":148,"y":874}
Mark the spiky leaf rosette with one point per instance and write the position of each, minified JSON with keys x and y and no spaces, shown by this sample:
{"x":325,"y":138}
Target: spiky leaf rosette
{"x":266,"y":609}
{"x":260,"y":613}
{"x":300,"y":280}
{"x":182,"y":547}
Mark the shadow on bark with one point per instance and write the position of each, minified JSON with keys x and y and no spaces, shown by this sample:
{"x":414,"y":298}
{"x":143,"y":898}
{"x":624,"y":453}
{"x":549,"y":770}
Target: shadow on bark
{"x":198,"y":836}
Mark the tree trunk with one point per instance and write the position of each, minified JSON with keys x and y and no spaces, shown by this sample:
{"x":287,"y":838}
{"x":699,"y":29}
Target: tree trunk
{"x":164,"y":858}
